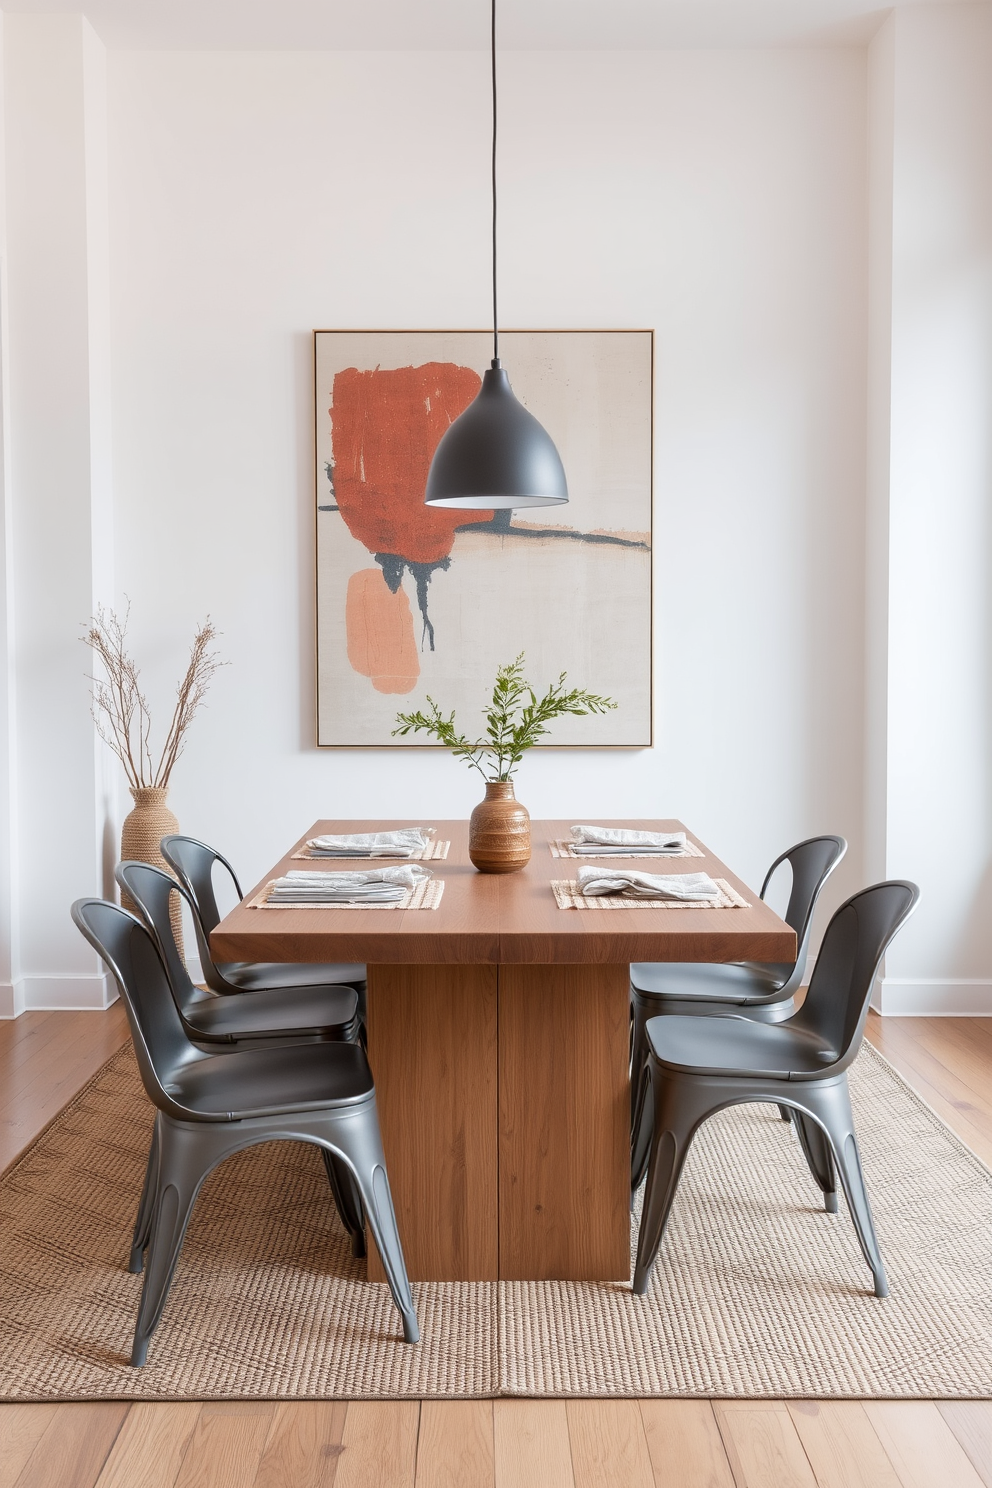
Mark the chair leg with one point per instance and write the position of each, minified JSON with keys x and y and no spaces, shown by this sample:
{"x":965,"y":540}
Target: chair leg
{"x":347,"y":1200}
{"x":674,"y":1124}
{"x":186,"y":1156}
{"x":356,"y":1137}
{"x":643,"y":1128}
{"x":816,"y":1150}
{"x":831,"y":1103}
{"x":146,"y":1205}
{"x":784,"y":1113}
{"x":640,"y":1012}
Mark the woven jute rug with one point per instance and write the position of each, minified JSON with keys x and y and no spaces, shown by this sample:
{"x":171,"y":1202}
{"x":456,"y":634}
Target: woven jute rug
{"x":757,"y":1291}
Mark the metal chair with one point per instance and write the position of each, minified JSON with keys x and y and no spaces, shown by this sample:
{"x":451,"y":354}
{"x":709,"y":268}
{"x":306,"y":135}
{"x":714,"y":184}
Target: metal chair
{"x":248,"y":1020}
{"x":210,"y":1106}
{"x":697,"y":1066}
{"x":194,"y":864}
{"x":754,"y":989}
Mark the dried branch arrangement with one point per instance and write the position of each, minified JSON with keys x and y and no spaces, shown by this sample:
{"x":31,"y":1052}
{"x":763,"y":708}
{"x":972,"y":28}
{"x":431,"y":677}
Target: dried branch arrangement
{"x":120,"y":709}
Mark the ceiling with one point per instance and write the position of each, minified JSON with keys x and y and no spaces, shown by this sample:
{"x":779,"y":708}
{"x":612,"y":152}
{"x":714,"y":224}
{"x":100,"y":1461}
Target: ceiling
{"x":455,"y":25}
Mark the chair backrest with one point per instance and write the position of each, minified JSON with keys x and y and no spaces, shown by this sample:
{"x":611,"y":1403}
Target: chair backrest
{"x":160,"y":1043}
{"x":194,"y":863}
{"x":855,"y":941}
{"x":151,"y":889}
{"x":812,"y":863}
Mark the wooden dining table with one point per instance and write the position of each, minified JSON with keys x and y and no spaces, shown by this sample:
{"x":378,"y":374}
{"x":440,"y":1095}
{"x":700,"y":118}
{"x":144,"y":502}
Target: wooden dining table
{"x":498,"y":1038}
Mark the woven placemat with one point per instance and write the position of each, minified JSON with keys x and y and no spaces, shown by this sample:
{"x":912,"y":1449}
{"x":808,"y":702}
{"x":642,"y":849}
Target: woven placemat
{"x":566,"y":892}
{"x":756,"y":1291}
{"x":561,"y":847}
{"x":426,"y":895}
{"x":432,"y":853}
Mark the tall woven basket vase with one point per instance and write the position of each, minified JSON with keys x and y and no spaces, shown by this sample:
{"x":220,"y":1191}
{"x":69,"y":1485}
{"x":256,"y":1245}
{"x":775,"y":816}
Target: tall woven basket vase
{"x":143,"y":830}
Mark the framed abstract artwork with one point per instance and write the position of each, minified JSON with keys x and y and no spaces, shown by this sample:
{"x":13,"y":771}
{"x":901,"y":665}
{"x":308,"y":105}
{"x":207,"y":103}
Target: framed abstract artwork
{"x":414,"y":600}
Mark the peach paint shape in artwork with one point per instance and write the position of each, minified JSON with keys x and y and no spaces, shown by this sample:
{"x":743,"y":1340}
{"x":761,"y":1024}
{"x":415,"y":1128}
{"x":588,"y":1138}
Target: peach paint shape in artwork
{"x":379,"y":626}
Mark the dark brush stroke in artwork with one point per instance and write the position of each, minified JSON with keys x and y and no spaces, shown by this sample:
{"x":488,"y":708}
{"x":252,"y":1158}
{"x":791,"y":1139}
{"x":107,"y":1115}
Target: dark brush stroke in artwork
{"x":503,"y":525}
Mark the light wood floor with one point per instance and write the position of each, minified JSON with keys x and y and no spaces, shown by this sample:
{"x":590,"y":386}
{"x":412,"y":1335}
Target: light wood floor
{"x":45,"y":1057}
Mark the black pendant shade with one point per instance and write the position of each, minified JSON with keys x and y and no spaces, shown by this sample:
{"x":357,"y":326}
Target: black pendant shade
{"x":496,"y":454}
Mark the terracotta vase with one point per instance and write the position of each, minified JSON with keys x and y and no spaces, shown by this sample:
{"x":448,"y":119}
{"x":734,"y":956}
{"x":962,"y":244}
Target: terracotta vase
{"x":143,"y":829}
{"x":499,"y":831}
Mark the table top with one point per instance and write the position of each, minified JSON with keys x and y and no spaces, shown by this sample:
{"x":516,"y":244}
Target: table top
{"x":506,"y":918}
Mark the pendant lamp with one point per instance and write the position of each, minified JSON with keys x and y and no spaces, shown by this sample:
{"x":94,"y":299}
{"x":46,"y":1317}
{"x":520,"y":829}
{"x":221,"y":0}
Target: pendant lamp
{"x":495,"y":454}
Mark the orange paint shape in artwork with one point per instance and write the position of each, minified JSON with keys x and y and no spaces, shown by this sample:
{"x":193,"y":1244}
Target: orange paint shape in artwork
{"x":386,"y":424}
{"x":379,"y":626}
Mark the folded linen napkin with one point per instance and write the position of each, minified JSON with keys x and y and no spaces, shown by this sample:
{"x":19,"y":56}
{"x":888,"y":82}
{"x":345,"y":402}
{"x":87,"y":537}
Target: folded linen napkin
{"x":368,"y":886}
{"x":635,"y":885}
{"x":604,"y":840}
{"x":404,"y":842}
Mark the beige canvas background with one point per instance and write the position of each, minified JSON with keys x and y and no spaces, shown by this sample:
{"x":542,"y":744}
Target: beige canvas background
{"x":576,"y":606}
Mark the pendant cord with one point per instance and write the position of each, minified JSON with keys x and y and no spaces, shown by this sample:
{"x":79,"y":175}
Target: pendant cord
{"x":495,"y":316}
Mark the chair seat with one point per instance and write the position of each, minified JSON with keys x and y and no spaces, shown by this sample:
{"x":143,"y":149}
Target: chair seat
{"x":260,"y":976}
{"x":264,"y":1082}
{"x":737,"y":982}
{"x":308,"y":1011}
{"x":738,"y":1047}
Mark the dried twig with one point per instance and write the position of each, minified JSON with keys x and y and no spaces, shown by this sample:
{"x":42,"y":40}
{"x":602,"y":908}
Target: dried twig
{"x":120,"y":709}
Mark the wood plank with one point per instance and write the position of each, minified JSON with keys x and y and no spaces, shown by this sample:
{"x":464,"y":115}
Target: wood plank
{"x":227,"y":1445}
{"x":455,"y":1446}
{"x":380,"y":1445}
{"x":151,"y":1446}
{"x":842,"y":1445}
{"x":971,"y":1422}
{"x":685,"y":1444}
{"x":21,"y":1429}
{"x":965,"y":1113}
{"x":304,"y":1445}
{"x":564,"y":1123}
{"x":920,"y":1445}
{"x":532,"y":1447}
{"x":432,"y":1046}
{"x":45,"y":1058}
{"x":609,"y":1448}
{"x":762,"y":1444}
{"x":961,"y":1052}
{"x":74,"y":1447}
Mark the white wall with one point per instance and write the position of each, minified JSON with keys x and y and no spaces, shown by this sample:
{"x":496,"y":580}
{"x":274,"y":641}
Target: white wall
{"x":716,"y":197}
{"x":59,"y":520}
{"x":808,"y":233}
{"x":932,"y":324}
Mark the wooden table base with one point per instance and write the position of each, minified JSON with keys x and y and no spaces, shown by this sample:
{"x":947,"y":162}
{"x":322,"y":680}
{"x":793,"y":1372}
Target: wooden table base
{"x":504,"y":1105}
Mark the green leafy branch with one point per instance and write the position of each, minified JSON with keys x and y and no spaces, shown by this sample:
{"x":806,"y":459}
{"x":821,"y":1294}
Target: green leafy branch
{"x":516,"y":719}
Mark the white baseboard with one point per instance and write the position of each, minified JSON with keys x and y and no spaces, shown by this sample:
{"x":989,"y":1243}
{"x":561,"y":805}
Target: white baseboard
{"x":929,"y":997}
{"x":66,"y":992}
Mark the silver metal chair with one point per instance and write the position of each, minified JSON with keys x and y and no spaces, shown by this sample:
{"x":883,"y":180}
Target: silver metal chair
{"x":752,"y":989}
{"x":210,"y":1106}
{"x":194,"y":863}
{"x":697,"y":1066}
{"x":245,"y":1021}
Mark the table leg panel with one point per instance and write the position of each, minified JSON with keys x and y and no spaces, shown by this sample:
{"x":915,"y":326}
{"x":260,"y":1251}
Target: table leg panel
{"x":433,"y":1051}
{"x":564,"y":1135}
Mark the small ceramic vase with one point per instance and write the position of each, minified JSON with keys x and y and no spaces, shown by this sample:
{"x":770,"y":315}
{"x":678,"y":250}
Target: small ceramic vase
{"x":499,"y":831}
